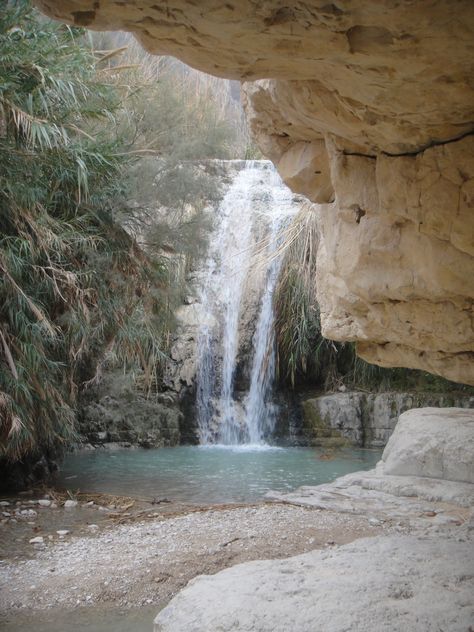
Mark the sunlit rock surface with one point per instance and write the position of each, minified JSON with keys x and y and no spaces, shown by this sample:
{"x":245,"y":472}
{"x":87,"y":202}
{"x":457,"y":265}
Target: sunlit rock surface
{"x":396,"y":264}
{"x":367,"y":107}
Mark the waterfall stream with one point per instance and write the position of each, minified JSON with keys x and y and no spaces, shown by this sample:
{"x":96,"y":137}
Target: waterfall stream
{"x":256,"y":199}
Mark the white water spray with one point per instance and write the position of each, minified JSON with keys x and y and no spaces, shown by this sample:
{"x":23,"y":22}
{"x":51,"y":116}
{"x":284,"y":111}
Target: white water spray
{"x":256,"y":189}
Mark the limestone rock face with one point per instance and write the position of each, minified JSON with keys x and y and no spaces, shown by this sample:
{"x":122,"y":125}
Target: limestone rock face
{"x":116,"y":412}
{"x":365,"y":106}
{"x":396,"y":264}
{"x":369,"y":419}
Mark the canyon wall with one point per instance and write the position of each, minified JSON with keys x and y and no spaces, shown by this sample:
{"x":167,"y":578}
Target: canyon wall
{"x":367,"y":419}
{"x":367,"y":108}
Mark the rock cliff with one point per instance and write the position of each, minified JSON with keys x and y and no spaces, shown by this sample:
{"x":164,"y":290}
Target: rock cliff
{"x":367,"y":419}
{"x":366,"y":107}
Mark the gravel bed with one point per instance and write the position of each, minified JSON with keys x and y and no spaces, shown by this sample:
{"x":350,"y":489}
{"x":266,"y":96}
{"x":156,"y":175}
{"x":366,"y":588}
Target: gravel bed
{"x":148,"y":562}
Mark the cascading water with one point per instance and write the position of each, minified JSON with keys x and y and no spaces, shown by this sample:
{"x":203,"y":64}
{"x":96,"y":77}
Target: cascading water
{"x":260,"y":410}
{"x":255,"y":193}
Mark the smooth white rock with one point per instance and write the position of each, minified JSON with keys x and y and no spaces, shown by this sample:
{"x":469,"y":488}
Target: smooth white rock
{"x":31,"y":513}
{"x":382,"y":584}
{"x":37,"y":540}
{"x":44,"y":503}
{"x":432,"y":442}
{"x":70,"y":503}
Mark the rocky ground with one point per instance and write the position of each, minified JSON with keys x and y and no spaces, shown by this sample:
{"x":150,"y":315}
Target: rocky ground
{"x":154,"y":554}
{"x":372,"y":551}
{"x":421,"y":581}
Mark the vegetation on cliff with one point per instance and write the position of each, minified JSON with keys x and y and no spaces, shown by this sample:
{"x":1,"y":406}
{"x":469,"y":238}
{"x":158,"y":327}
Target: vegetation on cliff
{"x":73,"y":281}
{"x":81,"y":277}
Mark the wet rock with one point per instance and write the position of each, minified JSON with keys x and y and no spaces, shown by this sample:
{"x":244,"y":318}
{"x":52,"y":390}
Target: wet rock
{"x":37,"y":540}
{"x":69,"y":504}
{"x":117,"y":413}
{"x":28,"y":513}
{"x":368,"y":419}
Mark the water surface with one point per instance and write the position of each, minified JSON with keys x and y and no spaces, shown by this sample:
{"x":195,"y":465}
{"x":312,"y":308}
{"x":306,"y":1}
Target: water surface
{"x":214,"y":474}
{"x":91,"y":619}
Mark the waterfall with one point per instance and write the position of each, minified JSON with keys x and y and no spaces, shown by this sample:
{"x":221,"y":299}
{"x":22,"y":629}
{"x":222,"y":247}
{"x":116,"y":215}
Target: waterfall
{"x":255,"y":195}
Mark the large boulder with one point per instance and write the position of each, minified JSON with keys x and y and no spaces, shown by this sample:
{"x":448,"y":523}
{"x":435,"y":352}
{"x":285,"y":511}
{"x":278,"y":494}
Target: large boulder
{"x":432,"y":442}
{"x":428,"y":460}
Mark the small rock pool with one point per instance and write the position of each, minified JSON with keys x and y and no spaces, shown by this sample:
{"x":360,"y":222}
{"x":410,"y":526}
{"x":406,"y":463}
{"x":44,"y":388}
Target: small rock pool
{"x":209,"y":474}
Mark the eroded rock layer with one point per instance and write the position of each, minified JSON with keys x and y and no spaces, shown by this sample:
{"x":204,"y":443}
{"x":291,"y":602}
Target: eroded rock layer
{"x":367,"y":108}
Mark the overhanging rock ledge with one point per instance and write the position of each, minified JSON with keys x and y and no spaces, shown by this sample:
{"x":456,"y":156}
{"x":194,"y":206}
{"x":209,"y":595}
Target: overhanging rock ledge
{"x":366,"y":107}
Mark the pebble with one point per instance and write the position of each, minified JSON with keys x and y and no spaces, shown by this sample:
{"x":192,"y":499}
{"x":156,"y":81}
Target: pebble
{"x":28,"y":512}
{"x":62,"y":532}
{"x":44,"y":503}
{"x":37,"y":540}
{"x":120,"y":557}
{"x":69,"y":504}
{"x":4,"y":503}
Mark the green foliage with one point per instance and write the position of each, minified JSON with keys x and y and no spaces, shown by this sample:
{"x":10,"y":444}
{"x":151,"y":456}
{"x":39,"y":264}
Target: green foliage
{"x":73,"y":282}
{"x":303,"y":354}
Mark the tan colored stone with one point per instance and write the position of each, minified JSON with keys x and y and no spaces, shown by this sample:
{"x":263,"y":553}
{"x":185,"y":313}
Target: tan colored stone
{"x":377,"y":96}
{"x":305,"y":169}
{"x":392,"y":76}
{"x":395,"y":264}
